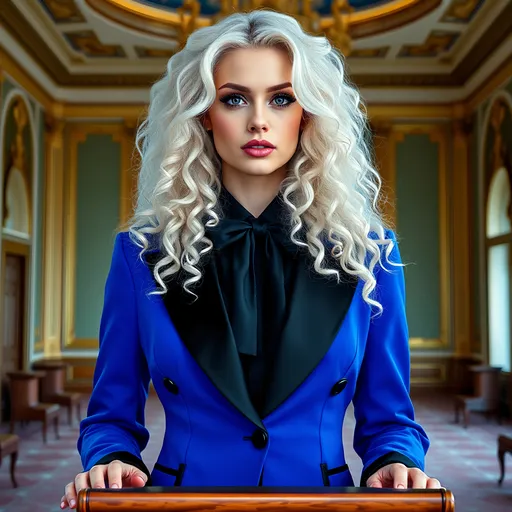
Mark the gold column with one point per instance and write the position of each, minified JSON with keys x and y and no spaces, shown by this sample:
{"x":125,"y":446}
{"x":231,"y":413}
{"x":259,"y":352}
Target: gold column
{"x":461,"y":239}
{"x":385,"y":149}
{"x":53,"y":237}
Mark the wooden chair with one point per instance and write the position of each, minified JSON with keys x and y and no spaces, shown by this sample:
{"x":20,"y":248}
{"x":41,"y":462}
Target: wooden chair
{"x":9,"y":444}
{"x":504,"y":446}
{"x":52,"y":387}
{"x":25,"y":404}
{"x":487,"y":394}
{"x":323,"y":499}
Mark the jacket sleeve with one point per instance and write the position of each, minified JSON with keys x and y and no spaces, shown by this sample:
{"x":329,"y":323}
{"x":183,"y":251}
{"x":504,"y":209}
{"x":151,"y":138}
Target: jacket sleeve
{"x":115,"y":415}
{"x":383,"y":409}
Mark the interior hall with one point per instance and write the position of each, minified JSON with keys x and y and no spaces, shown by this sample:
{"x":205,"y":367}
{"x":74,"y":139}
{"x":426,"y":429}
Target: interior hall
{"x":436,"y":78}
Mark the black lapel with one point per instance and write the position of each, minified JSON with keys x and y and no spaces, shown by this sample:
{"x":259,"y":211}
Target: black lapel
{"x":317,"y":308}
{"x":204,"y":328}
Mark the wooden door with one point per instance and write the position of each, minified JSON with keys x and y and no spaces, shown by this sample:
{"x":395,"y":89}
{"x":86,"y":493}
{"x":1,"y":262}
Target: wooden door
{"x":13,"y":320}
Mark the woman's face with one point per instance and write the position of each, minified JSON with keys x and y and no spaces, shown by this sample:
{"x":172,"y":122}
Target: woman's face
{"x":254,"y":101}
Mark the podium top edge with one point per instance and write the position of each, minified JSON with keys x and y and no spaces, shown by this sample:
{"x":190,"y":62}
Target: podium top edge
{"x":202,"y":491}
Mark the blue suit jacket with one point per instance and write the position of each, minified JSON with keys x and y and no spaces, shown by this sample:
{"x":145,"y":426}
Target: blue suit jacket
{"x":213,"y":435}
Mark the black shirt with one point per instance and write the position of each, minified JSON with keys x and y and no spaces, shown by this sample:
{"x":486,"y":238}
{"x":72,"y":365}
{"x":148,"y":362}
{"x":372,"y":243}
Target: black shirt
{"x":255,"y":261}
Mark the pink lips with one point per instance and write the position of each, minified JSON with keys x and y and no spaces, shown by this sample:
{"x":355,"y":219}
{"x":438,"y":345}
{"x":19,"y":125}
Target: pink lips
{"x":258,"y":152}
{"x":252,"y":149}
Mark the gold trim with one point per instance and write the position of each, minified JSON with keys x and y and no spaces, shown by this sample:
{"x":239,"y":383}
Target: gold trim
{"x":444,"y":232}
{"x":441,"y":367}
{"x":387,"y":112}
{"x":157,"y":21}
{"x":95,"y":111}
{"x":74,"y":138}
{"x":389,"y":16}
{"x":12,"y":68}
{"x":84,"y":343}
{"x":424,"y":343}
{"x":77,"y":134}
{"x":52,"y":236}
{"x":461,"y":239}
{"x":438,"y":133}
{"x":35,"y":45}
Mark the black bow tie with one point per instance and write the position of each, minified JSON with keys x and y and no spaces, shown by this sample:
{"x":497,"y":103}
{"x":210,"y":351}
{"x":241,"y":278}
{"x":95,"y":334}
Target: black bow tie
{"x":270,"y":236}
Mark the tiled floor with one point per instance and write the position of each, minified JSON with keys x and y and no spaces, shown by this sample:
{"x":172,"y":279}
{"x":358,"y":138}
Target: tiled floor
{"x":463,"y":460}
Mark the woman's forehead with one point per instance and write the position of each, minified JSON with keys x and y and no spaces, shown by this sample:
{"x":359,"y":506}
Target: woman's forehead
{"x":257,"y":68}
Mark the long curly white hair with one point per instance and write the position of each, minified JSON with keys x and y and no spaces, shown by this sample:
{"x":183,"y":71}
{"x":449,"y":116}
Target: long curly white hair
{"x":331,"y":188}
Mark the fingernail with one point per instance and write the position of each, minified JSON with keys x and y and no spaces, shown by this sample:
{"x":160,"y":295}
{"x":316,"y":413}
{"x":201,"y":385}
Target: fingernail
{"x":72,"y":503}
{"x":400,"y":486}
{"x":114,"y":486}
{"x":62,"y":504}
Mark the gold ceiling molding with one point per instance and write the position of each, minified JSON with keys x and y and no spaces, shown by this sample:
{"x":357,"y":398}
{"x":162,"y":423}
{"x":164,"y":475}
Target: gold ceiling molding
{"x":37,"y":47}
{"x":343,"y":25}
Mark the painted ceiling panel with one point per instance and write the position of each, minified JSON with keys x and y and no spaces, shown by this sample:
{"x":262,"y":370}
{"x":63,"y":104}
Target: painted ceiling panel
{"x":209,"y":7}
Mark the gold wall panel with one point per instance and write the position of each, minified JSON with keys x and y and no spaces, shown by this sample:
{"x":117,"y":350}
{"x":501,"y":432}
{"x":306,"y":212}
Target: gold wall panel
{"x":439,"y":134}
{"x":78,"y":133}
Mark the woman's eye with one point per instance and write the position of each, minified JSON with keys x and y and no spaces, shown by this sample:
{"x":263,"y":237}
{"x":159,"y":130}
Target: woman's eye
{"x":283,"y":100}
{"x":232,"y":100}
{"x":280,"y":100}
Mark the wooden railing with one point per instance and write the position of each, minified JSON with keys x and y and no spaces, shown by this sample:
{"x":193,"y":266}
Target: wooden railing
{"x":265,"y":499}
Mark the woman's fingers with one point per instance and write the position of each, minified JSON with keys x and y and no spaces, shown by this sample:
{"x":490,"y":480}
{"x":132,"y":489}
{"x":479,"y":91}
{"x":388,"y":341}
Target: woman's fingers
{"x":418,"y":478}
{"x":433,"y":483}
{"x":400,"y":476}
{"x":96,"y":477}
{"x":71,"y":490}
{"x":115,"y":474}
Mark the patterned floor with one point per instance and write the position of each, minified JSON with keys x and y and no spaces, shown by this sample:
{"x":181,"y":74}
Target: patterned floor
{"x":463,"y":460}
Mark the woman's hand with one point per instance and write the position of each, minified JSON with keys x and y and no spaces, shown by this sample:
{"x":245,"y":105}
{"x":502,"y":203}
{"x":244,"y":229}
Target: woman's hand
{"x":116,"y":474}
{"x":398,"y":476}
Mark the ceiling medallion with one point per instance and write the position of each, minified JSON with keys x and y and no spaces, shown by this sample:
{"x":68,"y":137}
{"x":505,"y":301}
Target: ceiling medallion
{"x":340,"y":20}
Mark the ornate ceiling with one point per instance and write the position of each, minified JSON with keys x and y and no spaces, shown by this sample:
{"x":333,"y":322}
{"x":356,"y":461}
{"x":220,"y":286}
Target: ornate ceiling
{"x":420,"y":44}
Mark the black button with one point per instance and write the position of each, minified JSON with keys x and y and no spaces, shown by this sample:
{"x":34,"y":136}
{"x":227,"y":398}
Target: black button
{"x":171,"y":386}
{"x":259,"y":438}
{"x":339,"y":387}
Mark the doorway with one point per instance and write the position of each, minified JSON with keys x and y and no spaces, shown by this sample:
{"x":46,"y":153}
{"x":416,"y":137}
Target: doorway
{"x":14,"y":315}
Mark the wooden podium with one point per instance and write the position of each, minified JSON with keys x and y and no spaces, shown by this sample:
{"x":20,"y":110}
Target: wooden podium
{"x":265,"y":499}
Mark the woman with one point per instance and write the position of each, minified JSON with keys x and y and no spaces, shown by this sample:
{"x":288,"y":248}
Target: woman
{"x":256,"y":286}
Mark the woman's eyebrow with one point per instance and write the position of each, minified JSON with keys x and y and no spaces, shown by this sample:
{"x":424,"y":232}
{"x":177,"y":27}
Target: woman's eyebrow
{"x":242,"y":88}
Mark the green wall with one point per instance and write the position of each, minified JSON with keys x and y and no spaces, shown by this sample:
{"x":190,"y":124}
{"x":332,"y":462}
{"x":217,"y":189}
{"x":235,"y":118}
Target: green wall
{"x":98,"y":183}
{"x":417,"y":213}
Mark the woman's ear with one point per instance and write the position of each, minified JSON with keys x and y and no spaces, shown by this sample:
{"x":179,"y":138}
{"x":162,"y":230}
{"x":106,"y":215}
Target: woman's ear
{"x":304,"y":120}
{"x":205,"y":120}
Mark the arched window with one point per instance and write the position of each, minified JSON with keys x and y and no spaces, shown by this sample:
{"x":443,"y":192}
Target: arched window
{"x":499,"y":240}
{"x":17,"y":219}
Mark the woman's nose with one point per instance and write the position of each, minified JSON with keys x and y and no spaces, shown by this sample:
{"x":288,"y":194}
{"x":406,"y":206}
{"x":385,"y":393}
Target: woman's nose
{"x":258,"y":121}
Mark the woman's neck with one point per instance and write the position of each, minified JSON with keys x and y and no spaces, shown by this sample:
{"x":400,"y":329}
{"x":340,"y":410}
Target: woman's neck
{"x":254,"y":193}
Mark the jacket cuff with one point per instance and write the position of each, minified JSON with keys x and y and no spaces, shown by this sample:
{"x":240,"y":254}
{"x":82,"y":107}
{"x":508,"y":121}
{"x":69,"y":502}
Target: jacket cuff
{"x":389,"y":458}
{"x":127,"y":458}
